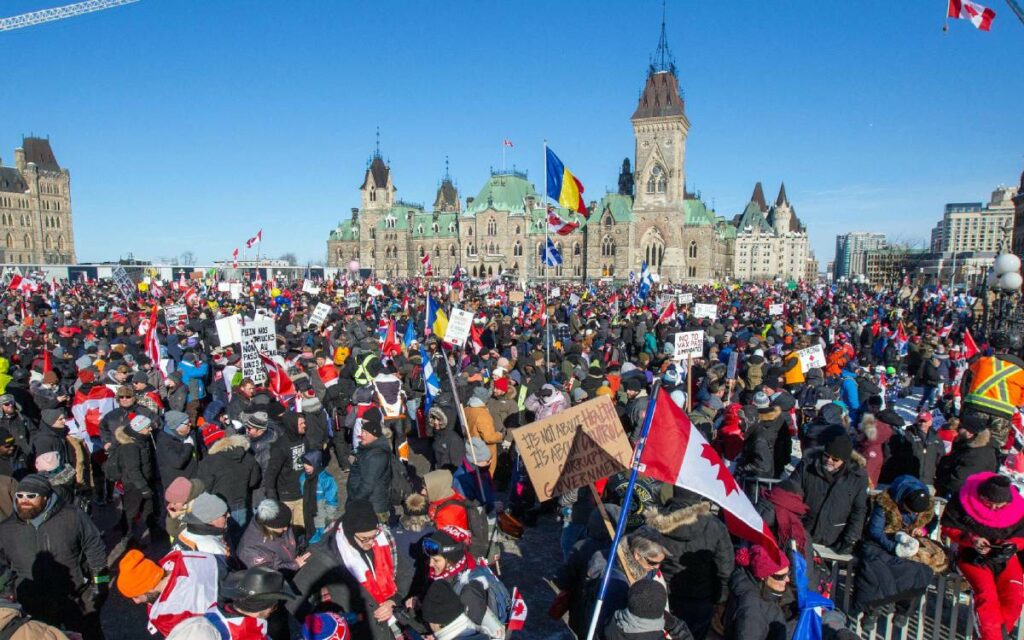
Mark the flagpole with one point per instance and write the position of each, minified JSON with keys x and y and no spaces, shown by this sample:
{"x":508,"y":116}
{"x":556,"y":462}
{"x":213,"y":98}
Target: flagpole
{"x":465,"y":425}
{"x":620,"y":529}
{"x":547,"y":280}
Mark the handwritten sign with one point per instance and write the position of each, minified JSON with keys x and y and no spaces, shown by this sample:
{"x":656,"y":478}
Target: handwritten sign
{"x":811,"y":358}
{"x":776,"y":309}
{"x":256,"y":337}
{"x":352,"y":301}
{"x":689,"y":344}
{"x":516,"y":296}
{"x":574,"y":447}
{"x":458,"y":327}
{"x":229,"y":330}
{"x":701,"y":310}
{"x":309,"y":287}
{"x":556,"y":292}
{"x":235,"y":290}
{"x":319,"y":315}
{"x":685,"y":298}
{"x":175,"y":314}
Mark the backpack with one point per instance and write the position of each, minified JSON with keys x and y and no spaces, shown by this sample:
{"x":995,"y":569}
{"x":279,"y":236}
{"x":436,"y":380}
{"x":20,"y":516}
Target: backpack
{"x":479,"y":527}
{"x":499,"y":600}
{"x":401,"y":488}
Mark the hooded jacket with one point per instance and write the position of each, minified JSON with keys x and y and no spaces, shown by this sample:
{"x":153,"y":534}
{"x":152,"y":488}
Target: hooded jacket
{"x":967,"y":458}
{"x":230,"y":471}
{"x":887,"y":518}
{"x":967,"y":517}
{"x":281,"y":480}
{"x":135,"y":460}
{"x":31,"y":630}
{"x":370,"y":475}
{"x":837,"y":502}
{"x":175,"y":458}
{"x":20,"y":427}
{"x":917,"y":453}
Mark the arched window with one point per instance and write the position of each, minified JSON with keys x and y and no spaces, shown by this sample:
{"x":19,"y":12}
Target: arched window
{"x":451,"y":250}
{"x":47,"y":243}
{"x":421,"y":251}
{"x":693,"y":249}
{"x":607,"y":221}
{"x":451,"y":228}
{"x":419,"y":229}
{"x":27,"y":241}
{"x":474,"y":272}
{"x":656,"y":182}
{"x":469,"y":231}
{"x":436,"y":252}
{"x":492,"y":227}
{"x":517,"y":249}
{"x":10,"y":241}
{"x":517,"y":229}
{"x":576,"y":249}
{"x":435,"y":228}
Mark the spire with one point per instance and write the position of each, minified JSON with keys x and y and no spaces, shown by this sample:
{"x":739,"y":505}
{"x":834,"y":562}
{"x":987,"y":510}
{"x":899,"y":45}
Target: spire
{"x":662,"y":59}
{"x":376,"y":152}
{"x":782,"y":199}
{"x":758,"y":198}
{"x":447,"y":173}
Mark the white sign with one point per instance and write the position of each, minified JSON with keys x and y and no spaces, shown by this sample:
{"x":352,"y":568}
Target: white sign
{"x":374,"y":291}
{"x":352,"y":301}
{"x":705,"y":310}
{"x":175,"y":313}
{"x":556,"y":292}
{"x":483,"y":288}
{"x":689,"y":343}
{"x":235,"y":290}
{"x":776,"y":309}
{"x":319,"y":315}
{"x":574,"y":299}
{"x":309,"y":287}
{"x":811,"y":358}
{"x":229,"y":330}
{"x":458,"y":327}
{"x":257,"y":336}
{"x":223,"y":287}
{"x":685,"y":298}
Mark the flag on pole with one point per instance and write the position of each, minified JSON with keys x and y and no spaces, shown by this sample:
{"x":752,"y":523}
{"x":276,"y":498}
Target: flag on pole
{"x":431,"y":383}
{"x":507,"y":143}
{"x":559,"y":226}
{"x":901,"y":339}
{"x":410,"y":333}
{"x":551,"y":256}
{"x":676,"y":453}
{"x":151,"y":343}
{"x":970,"y":346}
{"x":563,"y":187}
{"x":668,"y":313}
{"x":980,"y":16}
{"x":256,"y":239}
{"x":436,"y":320}
{"x":425,"y":261}
{"x":517,"y":618}
{"x":390,"y":347}
{"x":809,"y":601}
{"x":278,"y":382}
{"x":234,"y":259}
{"x":90,"y":406}
{"x":645,"y":280}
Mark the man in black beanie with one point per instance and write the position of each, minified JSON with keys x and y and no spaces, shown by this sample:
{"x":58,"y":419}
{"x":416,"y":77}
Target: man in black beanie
{"x":443,"y":611}
{"x":835,"y":487}
{"x":370,"y":475}
{"x":644,"y":617}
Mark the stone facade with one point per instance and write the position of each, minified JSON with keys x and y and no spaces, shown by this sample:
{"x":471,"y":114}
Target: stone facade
{"x":1018,"y":219}
{"x":974,"y":226}
{"x":35,"y":208}
{"x":770,"y":242}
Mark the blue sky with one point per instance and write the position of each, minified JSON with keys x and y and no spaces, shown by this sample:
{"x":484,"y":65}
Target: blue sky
{"x":190,"y":125}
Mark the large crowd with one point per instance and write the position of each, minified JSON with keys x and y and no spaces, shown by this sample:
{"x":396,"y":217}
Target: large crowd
{"x":364,"y":482}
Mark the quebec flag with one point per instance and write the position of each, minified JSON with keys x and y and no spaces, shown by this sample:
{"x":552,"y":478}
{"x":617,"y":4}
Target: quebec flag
{"x":431,"y":383}
{"x":551,"y":255}
{"x":645,"y":280}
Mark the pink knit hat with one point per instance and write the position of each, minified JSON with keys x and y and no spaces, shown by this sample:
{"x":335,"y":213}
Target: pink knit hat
{"x":178,"y":491}
{"x":47,"y":461}
{"x":760,"y":561}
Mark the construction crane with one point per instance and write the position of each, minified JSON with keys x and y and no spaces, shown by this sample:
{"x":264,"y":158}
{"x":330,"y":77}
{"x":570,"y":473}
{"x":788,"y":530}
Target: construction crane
{"x":1016,"y":9}
{"x":58,"y":13}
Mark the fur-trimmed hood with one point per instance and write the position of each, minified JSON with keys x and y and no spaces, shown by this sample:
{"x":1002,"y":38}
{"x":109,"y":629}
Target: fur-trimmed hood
{"x":230,"y":442}
{"x":771,"y":414}
{"x":668,"y":522}
{"x":983,"y":439}
{"x":894,"y":518}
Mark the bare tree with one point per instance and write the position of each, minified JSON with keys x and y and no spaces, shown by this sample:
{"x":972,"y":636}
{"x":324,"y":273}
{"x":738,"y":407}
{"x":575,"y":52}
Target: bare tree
{"x":188,"y":258}
{"x":290,"y":259}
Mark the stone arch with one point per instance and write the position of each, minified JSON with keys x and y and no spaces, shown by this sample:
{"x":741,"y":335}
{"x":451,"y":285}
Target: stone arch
{"x":653,"y":247}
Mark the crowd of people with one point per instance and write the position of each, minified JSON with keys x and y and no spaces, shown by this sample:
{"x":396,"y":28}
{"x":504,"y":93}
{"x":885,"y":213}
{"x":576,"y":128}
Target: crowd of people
{"x":363,"y":482}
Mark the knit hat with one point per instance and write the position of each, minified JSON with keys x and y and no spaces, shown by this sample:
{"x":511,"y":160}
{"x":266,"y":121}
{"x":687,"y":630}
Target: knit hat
{"x":137,"y":574}
{"x":371,"y":422}
{"x":6,"y":399}
{"x":50,"y":378}
{"x":973,"y":422}
{"x":441,"y":605}
{"x":273,"y":514}
{"x":761,"y":401}
{"x":501,"y":384}
{"x":174,"y":419}
{"x":996,"y":489}
{"x":177,"y":492}
{"x":917,"y":501}
{"x":760,"y":561}
{"x":840,"y":447}
{"x":438,"y":484}
{"x":633,"y":383}
{"x":257,"y":420}
{"x":207,"y":508}
{"x":212,"y":433}
{"x":140,"y":377}
{"x":647,"y":599}
{"x":140,"y":423}
{"x":359,"y":517}
{"x":50,"y":416}
{"x":6,"y":438}
{"x":325,"y":625}
{"x":441,"y":543}
{"x":311,"y":404}
{"x":35,"y":483}
{"x":479,"y":451}
{"x":47,"y":461}
{"x":314,"y":459}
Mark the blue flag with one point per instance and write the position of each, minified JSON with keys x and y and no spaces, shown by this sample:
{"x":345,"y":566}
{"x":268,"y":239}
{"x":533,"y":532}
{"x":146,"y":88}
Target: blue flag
{"x":550,"y":255}
{"x":431,"y":383}
{"x":808,"y":627}
{"x":645,"y":280}
{"x":410,"y":333}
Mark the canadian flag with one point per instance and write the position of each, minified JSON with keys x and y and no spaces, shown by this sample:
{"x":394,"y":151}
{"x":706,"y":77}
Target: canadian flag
{"x":234,"y":259}
{"x":970,"y":346}
{"x":256,"y":239}
{"x":278,"y":382}
{"x":328,"y":375}
{"x":476,"y":333}
{"x":507,"y":143}
{"x":391,"y":347}
{"x":90,"y":406}
{"x":518,"y":616}
{"x":676,"y":453}
{"x":428,"y":270}
{"x":668,"y":313}
{"x":558,"y":226}
{"x":944,"y":331}
{"x":981,"y":17}
{"x":152,"y":343}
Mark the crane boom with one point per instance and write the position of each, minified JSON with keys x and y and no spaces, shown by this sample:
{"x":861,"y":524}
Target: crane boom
{"x":58,"y":13}
{"x":1016,"y":9}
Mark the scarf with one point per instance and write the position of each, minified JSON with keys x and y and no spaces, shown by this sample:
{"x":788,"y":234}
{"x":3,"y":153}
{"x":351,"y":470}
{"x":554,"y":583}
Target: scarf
{"x":467,"y":563}
{"x":789,"y":511}
{"x":629,"y":623}
{"x":378,"y":580}
{"x":1004,"y":518}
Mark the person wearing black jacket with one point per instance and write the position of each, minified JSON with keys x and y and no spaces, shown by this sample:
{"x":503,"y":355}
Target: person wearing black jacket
{"x":19,"y":426}
{"x":12,"y":459}
{"x":930,"y":379}
{"x":241,"y":400}
{"x":370,"y":476}
{"x":52,"y":436}
{"x":972,"y":453}
{"x":449,"y":447}
{"x":835,"y":487}
{"x":120,"y":415}
{"x":231,"y":472}
{"x":281,"y":480}
{"x":133,"y":460}
{"x":917,"y":451}
{"x":176,"y":453}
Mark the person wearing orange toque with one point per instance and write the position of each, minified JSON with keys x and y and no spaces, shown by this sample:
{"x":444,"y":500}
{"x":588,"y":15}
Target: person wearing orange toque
{"x":182,"y":585}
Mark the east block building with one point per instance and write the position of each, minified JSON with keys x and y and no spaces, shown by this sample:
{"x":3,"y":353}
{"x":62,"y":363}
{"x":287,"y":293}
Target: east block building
{"x":35,"y":207}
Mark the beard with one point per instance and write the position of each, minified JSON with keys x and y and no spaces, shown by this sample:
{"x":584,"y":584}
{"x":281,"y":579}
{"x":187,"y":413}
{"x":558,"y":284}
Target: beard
{"x":28,"y":511}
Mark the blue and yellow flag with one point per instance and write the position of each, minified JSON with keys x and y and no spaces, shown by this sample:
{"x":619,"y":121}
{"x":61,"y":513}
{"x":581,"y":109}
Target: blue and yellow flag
{"x":435,"y":319}
{"x":563,"y":187}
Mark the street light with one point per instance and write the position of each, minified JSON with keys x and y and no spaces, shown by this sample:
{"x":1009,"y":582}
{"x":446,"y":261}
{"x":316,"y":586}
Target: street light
{"x":1006,"y":281}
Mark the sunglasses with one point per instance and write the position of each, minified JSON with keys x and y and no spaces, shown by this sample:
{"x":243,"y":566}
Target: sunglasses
{"x":780,"y":576}
{"x":433,"y":548}
{"x":26,"y":495}
{"x":653,"y":563}
{"x":832,"y":458}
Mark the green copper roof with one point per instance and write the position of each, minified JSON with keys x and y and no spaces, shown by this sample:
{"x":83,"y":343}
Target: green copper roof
{"x":401,"y":215}
{"x":753,"y":220}
{"x":444,"y":222}
{"x":345,"y":232}
{"x":698,"y":214}
{"x":620,"y":206}
{"x":725,"y":230}
{"x":503,"y":192}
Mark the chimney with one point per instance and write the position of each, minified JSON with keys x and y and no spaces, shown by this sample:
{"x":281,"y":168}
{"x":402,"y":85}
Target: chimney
{"x":469,"y":200}
{"x":19,"y":159}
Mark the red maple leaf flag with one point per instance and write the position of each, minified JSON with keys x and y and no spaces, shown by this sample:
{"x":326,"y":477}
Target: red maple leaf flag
{"x":970,"y":346}
{"x":980,"y":16}
{"x":256,"y":239}
{"x":518,"y":616}
{"x":668,"y":313}
{"x":391,"y":347}
{"x":278,"y":382}
{"x":507,"y":143}
{"x":678,"y":454}
{"x":89,"y":407}
{"x":428,"y":270}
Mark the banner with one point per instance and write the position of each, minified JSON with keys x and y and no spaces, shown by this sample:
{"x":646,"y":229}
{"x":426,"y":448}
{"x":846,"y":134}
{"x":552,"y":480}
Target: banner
{"x":257,"y":336}
{"x":705,"y":311}
{"x":459,"y":325}
{"x":124,"y":282}
{"x":223,"y":287}
{"x":319,"y":315}
{"x":811,"y":358}
{"x":776,"y":309}
{"x":516,"y":296}
{"x":689,"y":343}
{"x":174,"y":314}
{"x":235,"y":290}
{"x":574,"y":447}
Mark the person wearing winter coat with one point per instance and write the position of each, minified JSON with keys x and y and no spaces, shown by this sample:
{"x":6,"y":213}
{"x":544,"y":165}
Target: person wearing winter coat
{"x":917,"y":450}
{"x":52,"y":435}
{"x":194,"y":371}
{"x":849,"y":392}
{"x":13,"y":461}
{"x":16,"y":626}
{"x":873,"y":445}
{"x":317,"y":430}
{"x":503,"y":407}
{"x":644,"y":616}
{"x":58,"y":559}
{"x":17,"y":424}
{"x":547,"y":401}
{"x":281,"y":477}
{"x":241,"y":403}
{"x":480,"y":424}
{"x":319,"y":496}
{"x":206,"y":528}
{"x":121,"y":415}
{"x":929,"y":378}
{"x":474,"y":474}
{"x":231,"y":472}
{"x":835,"y":488}
{"x":985,"y":520}
{"x":132,"y":459}
{"x":370,"y":475}
{"x":699,"y":558}
{"x":176,"y":454}
{"x":446,"y":617}
{"x":972,"y":453}
{"x":762,"y":603}
{"x":756,"y":460}
{"x":448,"y":446}
{"x":268,"y":541}
{"x":449,"y":561}
{"x":175,"y":393}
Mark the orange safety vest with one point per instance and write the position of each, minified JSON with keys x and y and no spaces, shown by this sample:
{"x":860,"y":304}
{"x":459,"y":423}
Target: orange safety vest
{"x":996,"y":386}
{"x":796,"y":374}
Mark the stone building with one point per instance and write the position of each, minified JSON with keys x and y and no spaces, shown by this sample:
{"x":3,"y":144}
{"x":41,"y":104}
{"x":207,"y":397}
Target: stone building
{"x":1018,"y":218}
{"x":770,"y":242}
{"x":35,"y":207}
{"x":974,"y":226}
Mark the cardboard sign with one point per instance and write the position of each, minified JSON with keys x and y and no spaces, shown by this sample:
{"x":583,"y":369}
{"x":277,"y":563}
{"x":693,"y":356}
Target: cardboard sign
{"x":124,"y":282}
{"x":516,"y":296}
{"x":257,"y":337}
{"x":574,"y":299}
{"x":701,"y":310}
{"x":235,"y":290}
{"x":175,"y":313}
{"x":310,"y":288}
{"x":689,"y":344}
{"x":776,"y":309}
{"x":223,"y":287}
{"x":574,"y":447}
{"x":685,"y":298}
{"x":811,"y":358}
{"x":458,"y":327}
{"x":734,"y":360}
{"x":319,"y":315}
{"x":229,"y":330}
{"x":352,"y":301}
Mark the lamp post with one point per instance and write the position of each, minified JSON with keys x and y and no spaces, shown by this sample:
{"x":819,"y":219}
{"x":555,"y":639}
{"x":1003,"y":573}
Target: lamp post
{"x":1005,"y":280}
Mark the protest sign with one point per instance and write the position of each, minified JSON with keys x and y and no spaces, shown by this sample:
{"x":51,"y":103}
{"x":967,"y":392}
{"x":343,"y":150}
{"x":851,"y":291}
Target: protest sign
{"x":483,"y":288}
{"x":556,"y":292}
{"x":685,"y":298}
{"x":573,"y":448}
{"x":734,"y":360}
{"x":689,"y":344}
{"x":175,"y":313}
{"x":229,"y":330}
{"x":124,"y":282}
{"x":235,"y":289}
{"x":516,"y":296}
{"x":319,"y":315}
{"x":223,"y":287}
{"x":458,"y":327}
{"x":574,"y":299}
{"x":705,"y":310}
{"x":352,"y":301}
{"x":309,"y":287}
{"x":257,"y":337}
{"x":776,"y":309}
{"x":811,"y":358}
